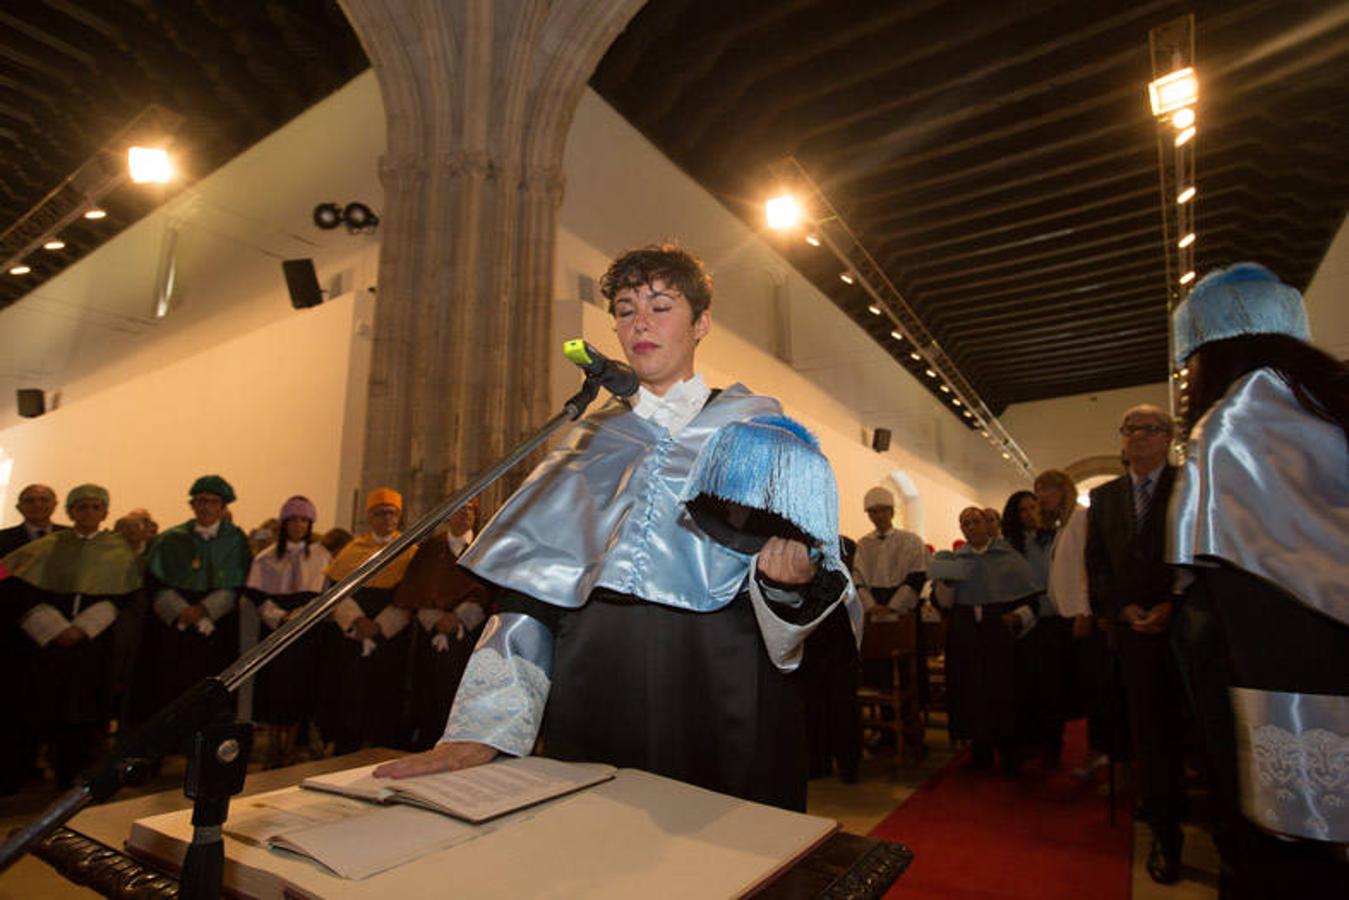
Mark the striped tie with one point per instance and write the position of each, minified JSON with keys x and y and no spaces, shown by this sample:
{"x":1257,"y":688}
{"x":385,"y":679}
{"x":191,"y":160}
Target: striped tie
{"x":1142,"y":501}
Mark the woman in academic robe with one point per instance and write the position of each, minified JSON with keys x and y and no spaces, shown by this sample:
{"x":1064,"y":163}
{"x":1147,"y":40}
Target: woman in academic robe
{"x":448,"y":608}
{"x":1258,"y":521}
{"x":284,"y":577}
{"x":363,"y":698}
{"x":992,"y":594}
{"x":658,"y":576}
{"x":67,"y":589}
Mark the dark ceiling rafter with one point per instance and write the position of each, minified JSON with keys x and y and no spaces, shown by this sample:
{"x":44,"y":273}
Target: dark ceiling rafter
{"x":998,"y":160}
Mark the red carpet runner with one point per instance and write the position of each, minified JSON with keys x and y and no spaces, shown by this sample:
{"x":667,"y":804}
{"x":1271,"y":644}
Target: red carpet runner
{"x":1043,"y":836}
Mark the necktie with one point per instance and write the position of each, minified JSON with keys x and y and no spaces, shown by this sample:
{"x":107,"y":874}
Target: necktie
{"x":1142,"y":501}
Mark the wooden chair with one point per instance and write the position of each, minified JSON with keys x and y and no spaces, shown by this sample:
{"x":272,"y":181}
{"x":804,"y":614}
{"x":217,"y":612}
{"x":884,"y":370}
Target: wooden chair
{"x":894,"y":707}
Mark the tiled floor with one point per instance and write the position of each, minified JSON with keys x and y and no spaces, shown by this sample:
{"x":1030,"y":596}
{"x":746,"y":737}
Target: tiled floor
{"x":858,"y":808}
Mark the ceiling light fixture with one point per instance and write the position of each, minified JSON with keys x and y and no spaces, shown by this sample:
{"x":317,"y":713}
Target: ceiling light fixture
{"x":1187,"y":277}
{"x":874,"y":309}
{"x":1183,"y":117}
{"x":149,"y":165}
{"x":95,"y":213}
{"x":1184,"y":137}
{"x":20,"y":270}
{"x":847,"y":278}
{"x":813,"y":239}
{"x":931,"y":374}
{"x":956,"y":401}
{"x":915,"y":355}
{"x":894,"y":333}
{"x":55,"y":244}
{"x":1173,"y":91}
{"x":1186,"y":195}
{"x":782,"y":212}
{"x":1185,"y":241}
{"x":945,"y":389}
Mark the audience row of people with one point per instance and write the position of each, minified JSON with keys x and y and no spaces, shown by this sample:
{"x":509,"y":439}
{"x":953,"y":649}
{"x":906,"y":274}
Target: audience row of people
{"x":111,"y":625}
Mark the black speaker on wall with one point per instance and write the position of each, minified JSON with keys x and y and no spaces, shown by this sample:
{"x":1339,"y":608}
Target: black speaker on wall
{"x":302,"y":282}
{"x":32,"y":402}
{"x":880,"y":440}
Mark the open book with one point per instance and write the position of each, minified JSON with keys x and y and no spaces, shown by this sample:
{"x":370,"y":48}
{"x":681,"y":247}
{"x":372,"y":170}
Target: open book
{"x":635,"y":835}
{"x":474,"y":795}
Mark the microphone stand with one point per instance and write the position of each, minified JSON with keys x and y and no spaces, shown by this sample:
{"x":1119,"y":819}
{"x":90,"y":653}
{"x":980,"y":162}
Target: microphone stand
{"x":220,"y":760}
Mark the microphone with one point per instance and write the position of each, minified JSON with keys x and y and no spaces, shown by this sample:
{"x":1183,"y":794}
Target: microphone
{"x":618,"y":378}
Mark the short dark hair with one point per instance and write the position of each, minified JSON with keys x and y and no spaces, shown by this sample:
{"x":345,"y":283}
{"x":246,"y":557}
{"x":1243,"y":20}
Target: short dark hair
{"x":671,"y":263}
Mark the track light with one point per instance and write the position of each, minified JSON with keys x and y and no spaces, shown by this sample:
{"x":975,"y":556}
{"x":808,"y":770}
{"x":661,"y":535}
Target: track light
{"x":1183,"y":117}
{"x":149,"y":165}
{"x":894,"y":333}
{"x":95,"y":213}
{"x":847,"y":278}
{"x":915,"y":356}
{"x":931,"y":374}
{"x":1185,"y":241}
{"x":874,"y":309}
{"x":1187,"y":277}
{"x":813,"y":239}
{"x":1186,"y":195}
{"x":782,"y":212}
{"x":54,"y":244}
{"x":1184,"y":137}
{"x":945,"y":389}
{"x":327,"y":216}
{"x":359,"y":217}
{"x":20,"y":270}
{"x":1173,"y":91}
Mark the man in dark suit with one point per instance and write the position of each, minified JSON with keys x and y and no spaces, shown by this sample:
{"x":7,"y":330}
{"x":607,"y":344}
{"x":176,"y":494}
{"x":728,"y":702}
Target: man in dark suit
{"x":1130,"y":588}
{"x":37,"y":502}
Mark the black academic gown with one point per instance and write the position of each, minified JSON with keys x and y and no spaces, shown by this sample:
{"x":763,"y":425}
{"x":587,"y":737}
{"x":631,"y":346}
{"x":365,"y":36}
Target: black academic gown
{"x":363,"y":699}
{"x":287,"y":688}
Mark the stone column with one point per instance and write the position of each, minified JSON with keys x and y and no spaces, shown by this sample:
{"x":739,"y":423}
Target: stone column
{"x":478,"y":98}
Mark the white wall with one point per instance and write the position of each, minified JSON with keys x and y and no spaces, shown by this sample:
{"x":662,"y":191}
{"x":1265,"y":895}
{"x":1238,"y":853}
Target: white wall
{"x":1057,"y":433}
{"x":1327,"y":297}
{"x":233,"y":380}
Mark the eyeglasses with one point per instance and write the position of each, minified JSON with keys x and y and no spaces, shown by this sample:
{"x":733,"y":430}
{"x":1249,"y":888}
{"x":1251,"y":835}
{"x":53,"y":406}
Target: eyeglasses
{"x":1131,"y":430}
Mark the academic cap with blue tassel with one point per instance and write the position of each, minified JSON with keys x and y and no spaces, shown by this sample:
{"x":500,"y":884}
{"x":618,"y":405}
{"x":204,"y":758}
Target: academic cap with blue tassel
{"x":771,"y":466}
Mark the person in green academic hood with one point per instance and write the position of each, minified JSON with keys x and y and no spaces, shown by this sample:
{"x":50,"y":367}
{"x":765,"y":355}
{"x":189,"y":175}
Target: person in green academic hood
{"x":66,"y":591}
{"x":196,"y":570}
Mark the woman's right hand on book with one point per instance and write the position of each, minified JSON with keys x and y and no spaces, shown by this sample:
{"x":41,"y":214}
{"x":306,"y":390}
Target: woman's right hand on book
{"x":445,"y":757}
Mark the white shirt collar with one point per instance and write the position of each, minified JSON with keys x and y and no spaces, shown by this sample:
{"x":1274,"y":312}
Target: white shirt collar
{"x":207,"y":533}
{"x":35,"y":532}
{"x":86,"y":537}
{"x":458,"y":542}
{"x":683,"y":401}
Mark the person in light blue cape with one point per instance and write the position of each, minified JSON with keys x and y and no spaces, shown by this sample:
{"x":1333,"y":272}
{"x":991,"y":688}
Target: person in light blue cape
{"x":658,"y":575}
{"x":992,"y":594}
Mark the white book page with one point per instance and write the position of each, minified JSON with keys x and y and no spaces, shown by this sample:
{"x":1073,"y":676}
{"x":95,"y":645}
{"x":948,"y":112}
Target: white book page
{"x":483,"y":792}
{"x":260,"y":821}
{"x":380,"y":839}
{"x":352,"y":783}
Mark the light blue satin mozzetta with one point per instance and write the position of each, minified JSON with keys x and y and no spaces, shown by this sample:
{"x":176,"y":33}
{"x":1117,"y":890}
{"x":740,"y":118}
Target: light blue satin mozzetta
{"x":605,"y":511}
{"x":502,"y":695}
{"x":1293,"y":761}
{"x":1265,"y":488}
{"x":998,"y":575}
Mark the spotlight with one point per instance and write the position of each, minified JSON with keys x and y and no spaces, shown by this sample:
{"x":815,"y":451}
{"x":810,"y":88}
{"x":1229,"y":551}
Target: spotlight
{"x":915,"y":356}
{"x":782,"y":212}
{"x":1187,"y":277}
{"x":968,"y":414}
{"x":813,"y":239}
{"x":327,"y":216}
{"x":945,"y":389}
{"x":1006,"y":455}
{"x":55,"y":244}
{"x":1185,"y":371}
{"x":1185,"y":196}
{"x":359,"y":217}
{"x":847,"y":278}
{"x":149,"y":165}
{"x":931,"y":374}
{"x":1185,"y":136}
{"x":956,"y":401}
{"x":896,"y":335}
{"x":1174,"y":90}
{"x":95,"y":213}
{"x":874,"y":309}
{"x":1185,"y":241}
{"x":1183,"y":117}
{"x":20,"y":270}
